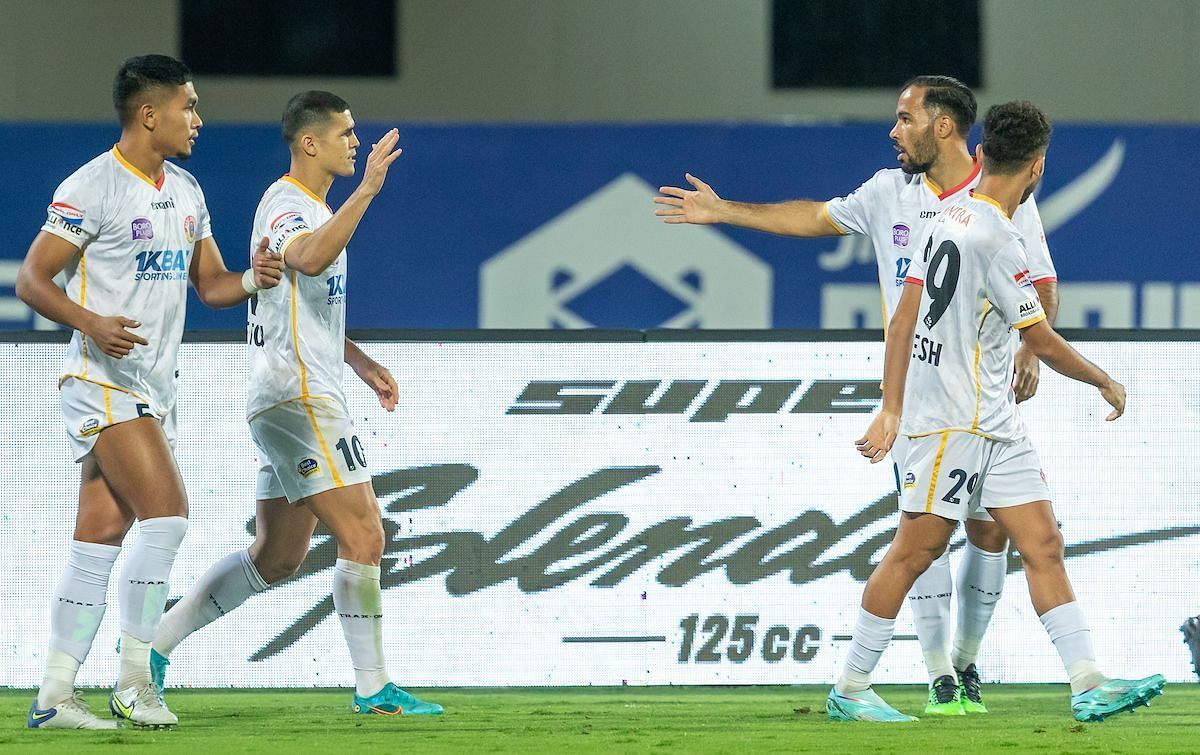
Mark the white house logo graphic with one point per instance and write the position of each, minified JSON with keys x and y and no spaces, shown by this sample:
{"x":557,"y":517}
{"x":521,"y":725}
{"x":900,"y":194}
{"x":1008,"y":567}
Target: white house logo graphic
{"x":609,"y":262}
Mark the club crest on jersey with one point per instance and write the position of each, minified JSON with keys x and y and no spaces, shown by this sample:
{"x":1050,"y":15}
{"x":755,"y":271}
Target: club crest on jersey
{"x":308,"y":467}
{"x":900,"y":234}
{"x":90,"y":427}
{"x":189,"y":228}
{"x":142,"y":229}
{"x":1022,"y":278}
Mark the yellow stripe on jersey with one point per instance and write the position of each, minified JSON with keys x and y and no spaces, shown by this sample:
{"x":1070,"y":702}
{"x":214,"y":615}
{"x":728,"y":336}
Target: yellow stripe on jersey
{"x":987,"y":308}
{"x":129,"y":166}
{"x":990,"y":201}
{"x":107,"y":406}
{"x":82,"y":299}
{"x":937,"y":467}
{"x":288,"y":244}
{"x":304,"y":395}
{"x":1030,"y":321}
{"x":825,"y":211}
{"x":936,"y":189}
{"x":303,"y":188}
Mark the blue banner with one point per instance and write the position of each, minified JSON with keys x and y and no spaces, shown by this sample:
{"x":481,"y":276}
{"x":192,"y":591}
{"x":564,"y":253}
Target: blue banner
{"x":553,"y":226}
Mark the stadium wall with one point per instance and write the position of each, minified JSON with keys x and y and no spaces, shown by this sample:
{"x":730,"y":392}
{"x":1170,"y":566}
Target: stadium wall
{"x":621,"y":60}
{"x":612,"y":507}
{"x":552,"y":226}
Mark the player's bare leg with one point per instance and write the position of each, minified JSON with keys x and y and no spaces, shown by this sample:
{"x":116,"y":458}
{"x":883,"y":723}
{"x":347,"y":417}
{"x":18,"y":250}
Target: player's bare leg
{"x":919,"y":539}
{"x":80,"y":602}
{"x":981,"y":578}
{"x":136,"y":462}
{"x":352,"y":514}
{"x":1034,"y":532}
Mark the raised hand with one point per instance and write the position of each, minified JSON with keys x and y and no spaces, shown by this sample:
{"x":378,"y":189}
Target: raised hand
{"x":111,"y":336}
{"x":378,"y":162}
{"x":701,"y":206}
{"x":267,"y":265}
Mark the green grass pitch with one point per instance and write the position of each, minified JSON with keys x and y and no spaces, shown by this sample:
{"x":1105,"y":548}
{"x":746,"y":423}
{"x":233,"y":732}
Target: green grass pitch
{"x":575,"y":720}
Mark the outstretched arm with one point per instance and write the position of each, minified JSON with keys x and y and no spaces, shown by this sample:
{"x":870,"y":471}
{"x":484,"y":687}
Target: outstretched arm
{"x":798,"y":217}
{"x":311,"y":253}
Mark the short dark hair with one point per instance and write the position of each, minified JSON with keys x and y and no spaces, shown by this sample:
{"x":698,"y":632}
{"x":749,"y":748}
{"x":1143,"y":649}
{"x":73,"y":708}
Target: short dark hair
{"x":946,"y":94}
{"x":307,"y":109}
{"x":1013,"y":134}
{"x":141,"y":73}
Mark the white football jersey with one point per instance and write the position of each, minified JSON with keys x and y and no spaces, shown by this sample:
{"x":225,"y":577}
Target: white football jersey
{"x":977,"y":288}
{"x":895,"y":209}
{"x":297,"y":330}
{"x":135,"y":240}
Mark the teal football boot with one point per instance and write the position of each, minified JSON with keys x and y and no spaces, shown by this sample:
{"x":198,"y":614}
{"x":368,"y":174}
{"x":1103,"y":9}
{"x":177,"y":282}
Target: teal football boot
{"x":393,"y":701}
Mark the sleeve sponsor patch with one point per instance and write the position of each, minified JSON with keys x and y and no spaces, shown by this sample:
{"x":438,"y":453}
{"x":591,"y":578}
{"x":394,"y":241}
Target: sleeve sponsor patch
{"x":1022,"y":278}
{"x":66,"y":217}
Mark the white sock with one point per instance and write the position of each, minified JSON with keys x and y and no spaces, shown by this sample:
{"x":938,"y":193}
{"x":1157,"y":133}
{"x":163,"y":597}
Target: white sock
{"x":872,"y":635}
{"x":75,"y":615}
{"x":1072,"y":639}
{"x":359,"y":604}
{"x":980,"y":582}
{"x":225,"y":586}
{"x":929,"y":599}
{"x":142,"y":593}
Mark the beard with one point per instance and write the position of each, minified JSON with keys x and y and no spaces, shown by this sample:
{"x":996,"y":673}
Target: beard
{"x":922,"y":155}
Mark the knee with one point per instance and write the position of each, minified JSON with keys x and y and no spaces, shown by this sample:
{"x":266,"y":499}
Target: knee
{"x":1042,"y":551}
{"x":916,"y":560}
{"x":274,"y":566}
{"x":365,"y":545}
{"x":987,"y":536}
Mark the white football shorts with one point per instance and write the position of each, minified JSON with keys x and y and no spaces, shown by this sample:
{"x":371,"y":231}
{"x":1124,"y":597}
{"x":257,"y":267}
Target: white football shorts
{"x":88,"y":408}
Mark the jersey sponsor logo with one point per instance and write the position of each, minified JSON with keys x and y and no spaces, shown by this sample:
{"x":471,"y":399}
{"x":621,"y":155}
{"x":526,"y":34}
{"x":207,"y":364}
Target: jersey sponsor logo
{"x":189,"y":228}
{"x":1022,"y":278}
{"x":308,"y":467}
{"x":142,"y":229}
{"x":163,"y":265}
{"x":337,"y":288}
{"x":927,"y":214}
{"x":902,"y":264}
{"x":90,"y":427}
{"x":1027,"y":308}
{"x":900,"y":234}
{"x":166,"y":204}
